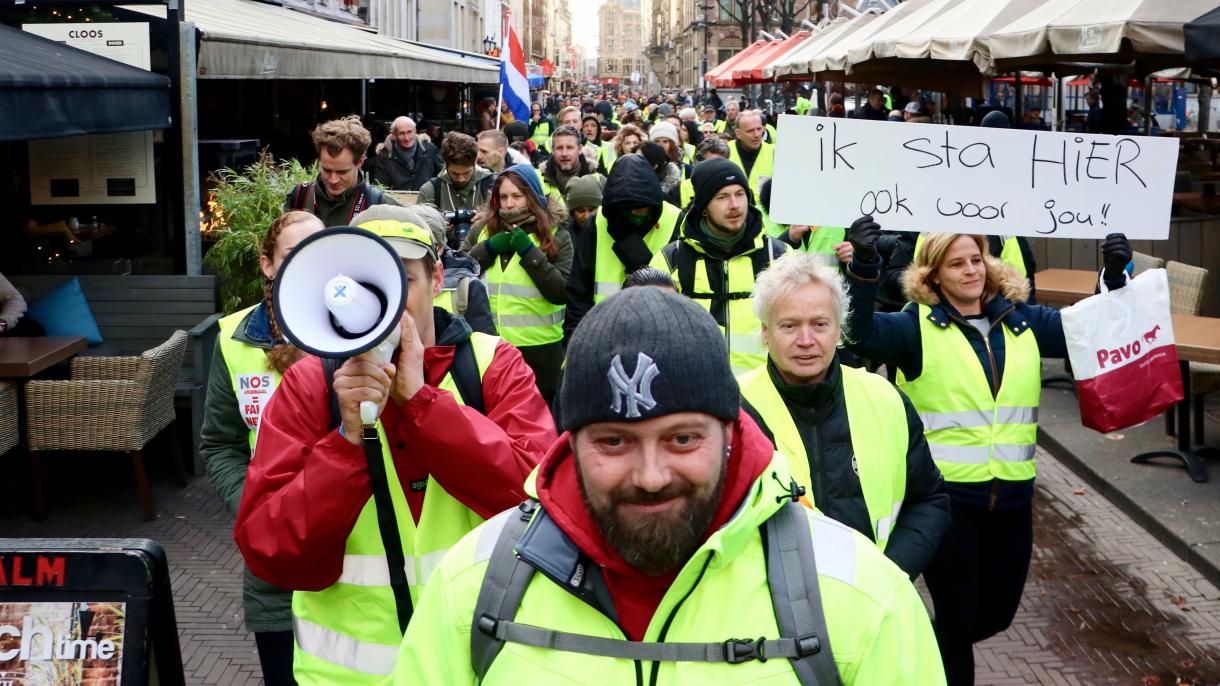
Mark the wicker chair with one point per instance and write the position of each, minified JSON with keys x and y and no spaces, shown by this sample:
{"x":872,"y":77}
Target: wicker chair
{"x":8,"y":418}
{"x":1186,"y":285}
{"x":1143,"y":263}
{"x":110,"y":404}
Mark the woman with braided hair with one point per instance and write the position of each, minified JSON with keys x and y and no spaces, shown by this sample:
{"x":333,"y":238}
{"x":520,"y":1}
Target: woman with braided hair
{"x":250,"y":357}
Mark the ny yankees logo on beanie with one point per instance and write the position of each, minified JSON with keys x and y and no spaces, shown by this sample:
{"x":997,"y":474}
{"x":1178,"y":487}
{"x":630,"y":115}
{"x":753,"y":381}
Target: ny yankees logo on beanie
{"x":646,"y":352}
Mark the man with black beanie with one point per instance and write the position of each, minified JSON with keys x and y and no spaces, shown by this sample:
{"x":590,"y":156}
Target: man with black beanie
{"x":720,"y":250}
{"x":663,"y":490}
{"x":634,"y":222}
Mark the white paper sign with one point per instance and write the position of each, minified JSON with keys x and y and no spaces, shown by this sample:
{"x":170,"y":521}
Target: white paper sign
{"x":966,"y":179}
{"x":99,"y":169}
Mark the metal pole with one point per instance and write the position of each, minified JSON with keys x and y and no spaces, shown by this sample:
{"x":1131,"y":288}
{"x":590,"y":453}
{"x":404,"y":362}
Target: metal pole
{"x":499,"y":105}
{"x":189,"y":125}
{"x":1148,"y":106}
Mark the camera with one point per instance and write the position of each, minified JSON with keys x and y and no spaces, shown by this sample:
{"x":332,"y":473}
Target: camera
{"x":460,"y":221}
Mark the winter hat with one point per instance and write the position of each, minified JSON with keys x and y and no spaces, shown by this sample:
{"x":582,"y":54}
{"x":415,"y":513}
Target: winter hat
{"x":645,"y":353}
{"x":895,"y":115}
{"x":663,"y":129}
{"x":517,"y":131}
{"x":709,"y":176}
{"x":913,"y":107}
{"x":996,"y":120}
{"x":585,"y":191}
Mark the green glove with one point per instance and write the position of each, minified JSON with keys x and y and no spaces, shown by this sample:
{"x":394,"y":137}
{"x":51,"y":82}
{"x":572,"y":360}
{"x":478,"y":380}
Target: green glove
{"x":499,"y":243}
{"x":521,"y":242}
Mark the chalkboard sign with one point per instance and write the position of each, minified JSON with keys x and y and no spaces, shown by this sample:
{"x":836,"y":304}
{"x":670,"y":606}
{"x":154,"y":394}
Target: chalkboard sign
{"x":86,"y":610}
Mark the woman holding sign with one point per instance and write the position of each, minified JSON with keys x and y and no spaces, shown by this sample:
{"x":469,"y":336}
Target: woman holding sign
{"x":968,"y":351}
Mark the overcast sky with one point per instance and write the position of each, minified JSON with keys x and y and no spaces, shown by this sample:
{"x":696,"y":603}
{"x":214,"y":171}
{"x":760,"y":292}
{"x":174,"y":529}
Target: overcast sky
{"x":584,"y":23}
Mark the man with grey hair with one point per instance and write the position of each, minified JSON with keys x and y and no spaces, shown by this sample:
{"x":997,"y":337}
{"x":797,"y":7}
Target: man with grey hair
{"x":404,"y":162}
{"x":755,"y":156}
{"x":853,"y":440}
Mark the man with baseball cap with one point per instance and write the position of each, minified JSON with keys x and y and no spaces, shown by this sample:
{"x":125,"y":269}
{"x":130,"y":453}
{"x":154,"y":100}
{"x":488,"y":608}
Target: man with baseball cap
{"x":356,"y":534}
{"x":662,"y":531}
{"x":719,"y":251}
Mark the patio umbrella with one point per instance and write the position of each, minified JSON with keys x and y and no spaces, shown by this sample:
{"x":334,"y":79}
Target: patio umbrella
{"x":751,"y":70}
{"x":830,"y":62}
{"x":1203,"y":40}
{"x":794,"y":63}
{"x":964,"y":36}
{"x":1147,"y":34}
{"x":718,"y":70}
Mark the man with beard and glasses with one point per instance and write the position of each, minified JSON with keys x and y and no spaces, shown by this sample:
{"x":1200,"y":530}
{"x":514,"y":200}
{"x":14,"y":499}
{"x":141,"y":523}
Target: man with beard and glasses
{"x":664,"y":525}
{"x":719,"y":251}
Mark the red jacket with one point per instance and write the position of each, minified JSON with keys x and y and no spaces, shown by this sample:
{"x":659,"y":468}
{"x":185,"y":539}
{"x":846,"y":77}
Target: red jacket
{"x":637,"y":595}
{"x":307,"y":484}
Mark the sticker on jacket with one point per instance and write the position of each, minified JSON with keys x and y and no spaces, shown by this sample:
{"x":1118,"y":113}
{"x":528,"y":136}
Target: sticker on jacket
{"x":253,"y":392}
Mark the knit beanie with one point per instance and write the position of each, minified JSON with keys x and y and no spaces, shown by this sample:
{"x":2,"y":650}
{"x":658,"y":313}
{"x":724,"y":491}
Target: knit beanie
{"x":516,"y":131}
{"x":585,"y":191}
{"x":710,"y":175}
{"x":995,"y":120}
{"x":663,"y":130}
{"x":645,"y":353}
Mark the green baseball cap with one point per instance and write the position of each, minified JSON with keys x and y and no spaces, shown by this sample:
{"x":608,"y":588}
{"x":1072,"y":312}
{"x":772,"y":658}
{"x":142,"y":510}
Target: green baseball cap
{"x":408,"y":239}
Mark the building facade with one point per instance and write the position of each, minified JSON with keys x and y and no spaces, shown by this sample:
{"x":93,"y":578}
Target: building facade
{"x":685,"y":33}
{"x":458,"y":24}
{"x":620,"y":45}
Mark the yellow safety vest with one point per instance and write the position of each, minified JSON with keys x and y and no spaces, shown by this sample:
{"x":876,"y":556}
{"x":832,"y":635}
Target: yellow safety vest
{"x":686,"y":193}
{"x":523,"y":316}
{"x":688,"y":153}
{"x":253,"y":378}
{"x":876,"y":419}
{"x":607,"y":156}
{"x":973,"y":436}
{"x":764,"y":164}
{"x":742,"y":329}
{"x":820,"y":242}
{"x":608,"y":270}
{"x":1010,"y":254}
{"x":348,"y":633}
{"x":542,"y":135}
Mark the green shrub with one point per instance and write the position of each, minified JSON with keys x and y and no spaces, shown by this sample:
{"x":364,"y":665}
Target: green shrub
{"x":245,"y":205}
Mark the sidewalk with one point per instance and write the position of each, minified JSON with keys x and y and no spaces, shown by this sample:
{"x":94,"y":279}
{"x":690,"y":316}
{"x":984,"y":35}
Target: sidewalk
{"x":1161,"y":496}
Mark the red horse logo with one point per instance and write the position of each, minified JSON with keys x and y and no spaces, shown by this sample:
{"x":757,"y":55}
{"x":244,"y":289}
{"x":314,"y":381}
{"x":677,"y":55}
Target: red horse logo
{"x":1150,"y":337}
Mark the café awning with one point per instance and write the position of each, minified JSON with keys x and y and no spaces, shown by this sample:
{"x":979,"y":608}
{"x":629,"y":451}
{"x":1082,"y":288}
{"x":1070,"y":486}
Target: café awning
{"x":243,"y":39}
{"x":50,"y":90}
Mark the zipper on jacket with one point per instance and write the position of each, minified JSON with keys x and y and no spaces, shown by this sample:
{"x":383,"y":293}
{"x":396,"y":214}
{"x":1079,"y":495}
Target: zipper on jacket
{"x":639,"y":667}
{"x":728,"y":319}
{"x":817,"y":472}
{"x":656,"y":666}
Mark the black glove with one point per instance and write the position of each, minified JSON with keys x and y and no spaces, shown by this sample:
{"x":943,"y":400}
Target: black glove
{"x":1115,"y":254}
{"x":863,"y":234}
{"x":632,"y":251}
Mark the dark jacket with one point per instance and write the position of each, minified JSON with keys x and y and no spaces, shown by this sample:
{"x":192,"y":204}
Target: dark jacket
{"x":893,"y":338}
{"x":458,"y":265}
{"x":631,"y":184}
{"x":225,"y":448}
{"x":444,"y":196}
{"x":548,"y":170}
{"x":867,"y":111}
{"x":820,"y":414}
{"x":897,"y":249}
{"x":312,"y":197}
{"x":406,"y":170}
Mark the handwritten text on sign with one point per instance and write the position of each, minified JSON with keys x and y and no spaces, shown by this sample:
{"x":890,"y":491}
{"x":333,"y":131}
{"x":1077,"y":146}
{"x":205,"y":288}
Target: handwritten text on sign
{"x":927,"y":177}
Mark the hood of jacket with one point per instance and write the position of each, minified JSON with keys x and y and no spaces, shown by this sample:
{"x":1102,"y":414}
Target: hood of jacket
{"x":458,"y":264}
{"x":450,"y":328}
{"x":549,"y":168}
{"x":526,"y":174}
{"x":631,"y":184}
{"x":594,"y":119}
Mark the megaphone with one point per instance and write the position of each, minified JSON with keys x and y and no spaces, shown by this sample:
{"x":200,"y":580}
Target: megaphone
{"x":341,"y":293}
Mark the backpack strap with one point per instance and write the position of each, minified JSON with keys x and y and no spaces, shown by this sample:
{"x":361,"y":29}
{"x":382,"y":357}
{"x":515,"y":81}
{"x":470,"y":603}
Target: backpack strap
{"x":794,"y":590}
{"x":302,"y":195}
{"x":504,"y":584}
{"x":461,"y":296}
{"x":465,"y":372}
{"x":387,"y":521}
{"x":793,"y":579}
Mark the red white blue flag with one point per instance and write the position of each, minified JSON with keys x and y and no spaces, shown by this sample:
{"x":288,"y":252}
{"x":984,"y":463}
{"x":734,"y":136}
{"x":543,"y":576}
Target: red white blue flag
{"x":513,"y":80}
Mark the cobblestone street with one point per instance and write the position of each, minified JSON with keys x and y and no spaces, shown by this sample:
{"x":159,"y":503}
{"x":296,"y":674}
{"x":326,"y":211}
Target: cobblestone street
{"x":1105,"y":602}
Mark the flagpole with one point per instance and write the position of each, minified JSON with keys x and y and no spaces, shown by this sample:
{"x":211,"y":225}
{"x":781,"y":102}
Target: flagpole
{"x":499,"y":105}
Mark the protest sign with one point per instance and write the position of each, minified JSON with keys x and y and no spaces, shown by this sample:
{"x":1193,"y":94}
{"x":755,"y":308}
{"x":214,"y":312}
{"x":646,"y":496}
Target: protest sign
{"x":960,"y":179}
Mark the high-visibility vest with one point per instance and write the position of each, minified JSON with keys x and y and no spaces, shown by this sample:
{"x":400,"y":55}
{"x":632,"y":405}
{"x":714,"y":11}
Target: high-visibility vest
{"x":523,"y":316}
{"x":820,"y":242}
{"x":686,"y":193}
{"x":771,"y":134}
{"x":542,"y":134}
{"x":741,"y":328}
{"x":1010,"y":254}
{"x":348,"y":633}
{"x":688,"y":153}
{"x":764,"y":164}
{"x":803,"y":104}
{"x":973,"y":436}
{"x":608,"y":270}
{"x":607,"y":156}
{"x":253,"y":378}
{"x":876,"y":419}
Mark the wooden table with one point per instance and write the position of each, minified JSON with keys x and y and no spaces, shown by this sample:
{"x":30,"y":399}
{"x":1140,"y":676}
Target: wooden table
{"x":1197,"y":340}
{"x":22,"y":357}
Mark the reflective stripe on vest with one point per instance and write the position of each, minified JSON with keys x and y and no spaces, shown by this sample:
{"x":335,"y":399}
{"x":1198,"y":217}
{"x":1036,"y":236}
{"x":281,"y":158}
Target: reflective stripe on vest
{"x":743,"y":331}
{"x":688,"y":153}
{"x":1010,"y":253}
{"x":607,"y":156}
{"x":523,"y":316}
{"x":876,"y":419}
{"x":608,"y":271}
{"x":764,"y":164}
{"x":973,"y":436}
{"x":253,"y":379}
{"x":345,"y":632}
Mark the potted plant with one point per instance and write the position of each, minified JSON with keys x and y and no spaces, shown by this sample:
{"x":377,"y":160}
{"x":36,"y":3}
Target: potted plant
{"x":243,"y":205}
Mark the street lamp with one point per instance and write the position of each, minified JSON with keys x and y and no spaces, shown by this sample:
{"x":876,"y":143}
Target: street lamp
{"x":706,"y":24}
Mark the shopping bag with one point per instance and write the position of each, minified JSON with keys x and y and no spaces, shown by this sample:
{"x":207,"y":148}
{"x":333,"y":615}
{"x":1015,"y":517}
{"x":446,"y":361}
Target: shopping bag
{"x":1122,"y":351}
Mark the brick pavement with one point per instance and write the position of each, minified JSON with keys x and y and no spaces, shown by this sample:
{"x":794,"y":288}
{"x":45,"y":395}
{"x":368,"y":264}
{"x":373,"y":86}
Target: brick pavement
{"x":1105,"y":603}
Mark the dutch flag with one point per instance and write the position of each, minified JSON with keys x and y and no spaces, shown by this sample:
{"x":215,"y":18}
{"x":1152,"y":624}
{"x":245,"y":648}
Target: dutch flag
{"x":514,"y":85}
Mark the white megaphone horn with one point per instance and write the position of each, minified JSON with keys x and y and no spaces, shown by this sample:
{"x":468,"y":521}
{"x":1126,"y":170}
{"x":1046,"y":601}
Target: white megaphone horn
{"x":341,"y":293}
